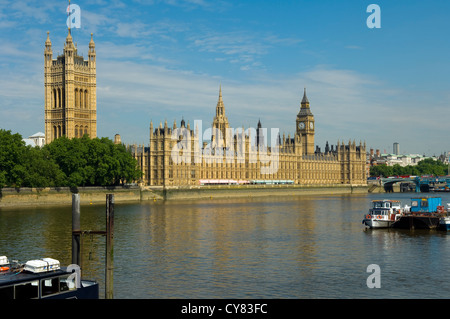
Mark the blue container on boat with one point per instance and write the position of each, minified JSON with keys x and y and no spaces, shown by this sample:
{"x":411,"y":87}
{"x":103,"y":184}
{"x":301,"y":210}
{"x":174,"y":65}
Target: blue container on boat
{"x":425,"y":204}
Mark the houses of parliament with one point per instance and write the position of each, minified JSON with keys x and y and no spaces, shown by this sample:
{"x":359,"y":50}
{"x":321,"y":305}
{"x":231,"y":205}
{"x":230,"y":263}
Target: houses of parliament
{"x":178,"y":156}
{"x":70,"y":85}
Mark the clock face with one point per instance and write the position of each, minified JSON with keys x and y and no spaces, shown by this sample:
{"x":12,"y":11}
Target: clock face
{"x":301,"y":125}
{"x":311,"y":125}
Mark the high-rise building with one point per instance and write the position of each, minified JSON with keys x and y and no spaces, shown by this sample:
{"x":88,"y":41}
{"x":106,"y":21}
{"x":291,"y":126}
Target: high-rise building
{"x":396,"y":149}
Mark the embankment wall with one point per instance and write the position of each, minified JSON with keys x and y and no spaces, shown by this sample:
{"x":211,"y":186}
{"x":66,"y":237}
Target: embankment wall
{"x":25,"y":197}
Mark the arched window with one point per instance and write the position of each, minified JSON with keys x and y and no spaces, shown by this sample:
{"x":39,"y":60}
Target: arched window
{"x":76,"y":97}
{"x":59,"y":131}
{"x":59,"y":97}
{"x":81,"y":98}
{"x":55,"y":132}
{"x":54,"y":99}
{"x":76,"y":131}
{"x":85,"y":99}
{"x":85,"y":130}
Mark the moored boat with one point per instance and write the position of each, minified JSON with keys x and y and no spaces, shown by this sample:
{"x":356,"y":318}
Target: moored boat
{"x":444,"y":222}
{"x":425,"y":213}
{"x":383,"y":213}
{"x":43,"y":279}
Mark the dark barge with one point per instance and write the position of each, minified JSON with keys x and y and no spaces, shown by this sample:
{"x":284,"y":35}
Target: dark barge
{"x":425,"y":213}
{"x":33,"y":281}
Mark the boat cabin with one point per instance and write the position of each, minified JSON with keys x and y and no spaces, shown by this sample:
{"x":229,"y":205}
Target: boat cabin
{"x":40,"y":279}
{"x":385,"y":207}
{"x":425,"y":204}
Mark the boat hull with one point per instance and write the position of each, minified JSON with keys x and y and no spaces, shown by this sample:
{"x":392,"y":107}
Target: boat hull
{"x":377,"y":223}
{"x":89,"y":290}
{"x":417,"y":222}
{"x":444,"y":224}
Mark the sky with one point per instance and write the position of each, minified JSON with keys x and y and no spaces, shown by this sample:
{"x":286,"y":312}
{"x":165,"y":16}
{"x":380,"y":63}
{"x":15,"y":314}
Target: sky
{"x":161,"y":60}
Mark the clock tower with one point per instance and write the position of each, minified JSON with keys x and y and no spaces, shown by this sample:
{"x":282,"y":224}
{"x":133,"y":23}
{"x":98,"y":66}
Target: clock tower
{"x":306,"y":126}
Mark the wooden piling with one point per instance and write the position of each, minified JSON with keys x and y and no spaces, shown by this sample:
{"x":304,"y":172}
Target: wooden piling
{"x":76,"y":229}
{"x":109,"y":287}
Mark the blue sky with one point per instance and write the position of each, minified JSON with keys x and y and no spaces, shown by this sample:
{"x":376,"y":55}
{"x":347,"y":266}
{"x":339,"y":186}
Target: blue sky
{"x":165,"y":60}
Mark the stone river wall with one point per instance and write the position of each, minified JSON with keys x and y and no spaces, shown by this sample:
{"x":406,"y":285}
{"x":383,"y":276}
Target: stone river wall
{"x":25,"y":197}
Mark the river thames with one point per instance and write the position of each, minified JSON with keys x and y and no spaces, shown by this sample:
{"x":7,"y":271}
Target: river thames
{"x":272,"y":247}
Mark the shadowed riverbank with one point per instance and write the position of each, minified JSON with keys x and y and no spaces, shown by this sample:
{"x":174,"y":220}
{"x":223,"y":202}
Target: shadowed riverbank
{"x":25,"y":197}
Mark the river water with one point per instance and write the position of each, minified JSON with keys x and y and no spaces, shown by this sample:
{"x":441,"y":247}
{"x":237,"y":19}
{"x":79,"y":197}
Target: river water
{"x":273,"y":247}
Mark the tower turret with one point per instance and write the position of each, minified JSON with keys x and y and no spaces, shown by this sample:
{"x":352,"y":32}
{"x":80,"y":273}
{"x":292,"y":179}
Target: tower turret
{"x":220,"y":122}
{"x":70,"y":92}
{"x":305,"y":125}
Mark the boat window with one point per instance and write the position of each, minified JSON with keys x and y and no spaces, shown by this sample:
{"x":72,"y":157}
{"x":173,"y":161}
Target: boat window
{"x":66,"y":283}
{"x":50,"y":286}
{"x":414,"y":203}
{"x":7,"y":293}
{"x":27,"y":291}
{"x":424,"y":203}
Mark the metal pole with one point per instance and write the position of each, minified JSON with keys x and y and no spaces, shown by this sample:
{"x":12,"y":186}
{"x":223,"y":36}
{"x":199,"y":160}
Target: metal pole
{"x":109,"y":289}
{"x":76,"y":228}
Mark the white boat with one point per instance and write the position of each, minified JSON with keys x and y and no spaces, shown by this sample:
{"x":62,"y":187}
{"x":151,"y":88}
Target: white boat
{"x":383,"y":213}
{"x":444,"y":222}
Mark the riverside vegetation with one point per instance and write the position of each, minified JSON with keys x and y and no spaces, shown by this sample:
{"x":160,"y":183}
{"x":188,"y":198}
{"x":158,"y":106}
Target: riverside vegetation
{"x":64,"y":163}
{"x":427,"y":166}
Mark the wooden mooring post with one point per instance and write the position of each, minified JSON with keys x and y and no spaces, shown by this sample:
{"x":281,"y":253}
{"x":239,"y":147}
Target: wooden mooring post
{"x":109,"y":289}
{"x":76,"y":239}
{"x":76,"y":230}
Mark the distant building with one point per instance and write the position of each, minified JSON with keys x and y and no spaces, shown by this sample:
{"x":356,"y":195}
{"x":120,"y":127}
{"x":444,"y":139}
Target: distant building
{"x":393,"y":159}
{"x":37,"y":139}
{"x":396,"y":149}
{"x":117,"y":139}
{"x":240,"y":157}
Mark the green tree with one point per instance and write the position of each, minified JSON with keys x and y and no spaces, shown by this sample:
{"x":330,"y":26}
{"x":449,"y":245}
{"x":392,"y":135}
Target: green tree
{"x":93,"y":162}
{"x":12,"y":151}
{"x":70,"y":155}
{"x":427,"y":166}
{"x":41,"y":170}
{"x":65,"y":162}
{"x":381,"y":170}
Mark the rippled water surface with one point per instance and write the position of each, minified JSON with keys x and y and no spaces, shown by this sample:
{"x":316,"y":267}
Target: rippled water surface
{"x":285,"y":247}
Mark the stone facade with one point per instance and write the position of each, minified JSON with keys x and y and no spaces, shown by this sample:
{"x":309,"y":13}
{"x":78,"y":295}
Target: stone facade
{"x":179,"y":157}
{"x":70,"y":92}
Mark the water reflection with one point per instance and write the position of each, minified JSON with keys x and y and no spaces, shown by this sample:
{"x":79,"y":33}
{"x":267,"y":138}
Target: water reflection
{"x":290,"y":247}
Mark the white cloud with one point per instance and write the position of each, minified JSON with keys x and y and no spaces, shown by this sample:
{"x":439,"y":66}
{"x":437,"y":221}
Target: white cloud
{"x":240,"y":47}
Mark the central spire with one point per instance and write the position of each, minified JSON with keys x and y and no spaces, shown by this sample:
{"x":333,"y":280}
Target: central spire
{"x":220,"y":108}
{"x":305,"y":98}
{"x":304,"y":105}
{"x":220,"y":122}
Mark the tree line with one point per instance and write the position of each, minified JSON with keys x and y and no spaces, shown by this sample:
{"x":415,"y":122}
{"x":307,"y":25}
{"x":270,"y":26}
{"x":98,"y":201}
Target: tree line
{"x":427,"y":166}
{"x":65,"y":162}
